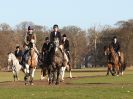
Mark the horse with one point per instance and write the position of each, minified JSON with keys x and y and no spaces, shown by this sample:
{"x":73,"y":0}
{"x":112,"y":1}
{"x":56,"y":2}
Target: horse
{"x":55,"y":48}
{"x":14,"y":63}
{"x":116,"y":62}
{"x":31,"y":65}
{"x":66,"y":64}
{"x":109,"y":64}
{"x":56,"y":62}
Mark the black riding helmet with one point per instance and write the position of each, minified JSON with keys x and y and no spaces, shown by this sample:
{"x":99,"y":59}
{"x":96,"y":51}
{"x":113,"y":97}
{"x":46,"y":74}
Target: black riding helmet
{"x":64,"y":35}
{"x":46,"y":38}
{"x":30,"y":28}
{"x":55,"y":26}
{"x":17,"y":47}
{"x":115,"y":37}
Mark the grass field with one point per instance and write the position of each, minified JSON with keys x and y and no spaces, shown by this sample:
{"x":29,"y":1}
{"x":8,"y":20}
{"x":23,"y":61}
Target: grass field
{"x":86,"y":84}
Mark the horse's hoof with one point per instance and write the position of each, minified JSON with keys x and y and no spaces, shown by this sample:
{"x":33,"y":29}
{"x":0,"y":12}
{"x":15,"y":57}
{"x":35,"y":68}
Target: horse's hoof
{"x":32,"y":84}
{"x":117,"y":75}
{"x":57,"y":83}
{"x":62,"y":80}
{"x":71,"y":77}
{"x":26,"y":84}
{"x":49,"y":83}
{"x":42,"y":78}
{"x":122,"y":73}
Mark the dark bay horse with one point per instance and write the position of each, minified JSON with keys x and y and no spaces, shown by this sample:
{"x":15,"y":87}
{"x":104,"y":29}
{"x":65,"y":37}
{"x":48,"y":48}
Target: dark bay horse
{"x":115,"y":63}
{"x":56,"y":57}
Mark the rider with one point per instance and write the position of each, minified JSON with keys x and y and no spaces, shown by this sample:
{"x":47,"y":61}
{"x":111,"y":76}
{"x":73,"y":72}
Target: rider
{"x":29,"y":42}
{"x":116,"y":45}
{"x":45,"y":45}
{"x":65,"y":43}
{"x":18,"y":53}
{"x":45,"y":48}
{"x":55,"y":34}
{"x":30,"y":37}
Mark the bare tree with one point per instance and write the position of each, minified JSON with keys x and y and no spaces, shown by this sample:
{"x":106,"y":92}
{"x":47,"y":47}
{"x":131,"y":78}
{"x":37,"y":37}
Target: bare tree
{"x":5,"y":27}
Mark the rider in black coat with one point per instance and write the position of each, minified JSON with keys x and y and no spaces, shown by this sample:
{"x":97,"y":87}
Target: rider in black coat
{"x":18,"y":54}
{"x":55,"y":34}
{"x":116,"y":45}
{"x":65,"y":42}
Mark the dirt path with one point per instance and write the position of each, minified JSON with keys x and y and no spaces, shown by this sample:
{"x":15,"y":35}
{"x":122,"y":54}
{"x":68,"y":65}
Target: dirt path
{"x":68,"y":83}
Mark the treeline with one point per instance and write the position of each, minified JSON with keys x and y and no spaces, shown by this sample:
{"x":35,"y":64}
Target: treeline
{"x":86,"y":45}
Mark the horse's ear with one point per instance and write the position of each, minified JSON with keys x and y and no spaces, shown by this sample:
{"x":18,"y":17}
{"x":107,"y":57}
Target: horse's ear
{"x":9,"y":52}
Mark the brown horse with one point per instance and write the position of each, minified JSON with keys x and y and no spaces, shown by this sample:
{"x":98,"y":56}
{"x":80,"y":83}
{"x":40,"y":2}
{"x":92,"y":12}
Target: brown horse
{"x":31,"y":66}
{"x":66,"y":64}
{"x":115,"y":62}
{"x":109,"y":64}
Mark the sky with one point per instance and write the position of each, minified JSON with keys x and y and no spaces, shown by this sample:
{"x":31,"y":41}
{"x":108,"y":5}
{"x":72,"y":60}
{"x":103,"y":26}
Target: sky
{"x":82,"y":13}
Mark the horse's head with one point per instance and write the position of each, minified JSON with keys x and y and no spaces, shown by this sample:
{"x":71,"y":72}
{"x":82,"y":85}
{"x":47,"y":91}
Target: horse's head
{"x":106,"y":50}
{"x":111,"y":49}
{"x":56,"y":42}
{"x":11,"y":57}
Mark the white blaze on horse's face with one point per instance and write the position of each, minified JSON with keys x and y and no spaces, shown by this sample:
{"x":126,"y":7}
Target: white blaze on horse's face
{"x":56,"y":42}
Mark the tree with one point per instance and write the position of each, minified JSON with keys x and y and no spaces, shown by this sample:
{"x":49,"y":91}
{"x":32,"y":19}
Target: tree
{"x":78,"y":44}
{"x":5,"y":27}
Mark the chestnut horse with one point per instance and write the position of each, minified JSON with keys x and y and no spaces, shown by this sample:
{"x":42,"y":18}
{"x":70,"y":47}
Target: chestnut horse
{"x":115,"y":62}
{"x":31,"y":66}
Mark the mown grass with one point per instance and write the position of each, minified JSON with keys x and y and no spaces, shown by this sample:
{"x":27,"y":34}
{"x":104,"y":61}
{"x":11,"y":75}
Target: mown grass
{"x":95,"y":86}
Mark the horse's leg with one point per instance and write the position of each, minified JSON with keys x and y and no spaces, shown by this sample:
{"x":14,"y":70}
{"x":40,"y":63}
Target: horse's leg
{"x":26,"y":74}
{"x":62,"y":73}
{"x":70,"y":70}
{"x":58,"y":73}
{"x":117,"y":69}
{"x":32,"y":71}
{"x":54,"y":75}
{"x":42,"y":74}
{"x":17,"y":72}
{"x":108,"y":69}
{"x":50,"y":74}
{"x":14,"y":75}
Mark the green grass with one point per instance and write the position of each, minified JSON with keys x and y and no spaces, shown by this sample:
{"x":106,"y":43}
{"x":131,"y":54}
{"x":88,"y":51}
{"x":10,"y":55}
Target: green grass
{"x":96,"y":86}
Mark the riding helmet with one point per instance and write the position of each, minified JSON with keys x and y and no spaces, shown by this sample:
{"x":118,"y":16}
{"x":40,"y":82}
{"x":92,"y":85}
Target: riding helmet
{"x":55,"y":26}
